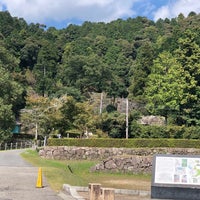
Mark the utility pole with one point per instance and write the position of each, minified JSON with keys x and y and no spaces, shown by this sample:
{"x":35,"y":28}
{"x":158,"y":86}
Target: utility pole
{"x":36,"y":131}
{"x":126,"y":118}
{"x":101,"y":103}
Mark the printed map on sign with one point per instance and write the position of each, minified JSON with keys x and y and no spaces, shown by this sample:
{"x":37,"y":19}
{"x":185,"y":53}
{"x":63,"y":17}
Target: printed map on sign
{"x":177,"y":170}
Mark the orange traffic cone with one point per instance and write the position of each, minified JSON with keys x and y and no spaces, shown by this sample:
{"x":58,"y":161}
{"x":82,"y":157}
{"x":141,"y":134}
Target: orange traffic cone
{"x":39,"y":178}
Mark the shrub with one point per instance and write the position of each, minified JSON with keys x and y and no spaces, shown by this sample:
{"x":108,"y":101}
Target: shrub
{"x":126,"y":143}
{"x":192,"y":132}
{"x":175,"y":131}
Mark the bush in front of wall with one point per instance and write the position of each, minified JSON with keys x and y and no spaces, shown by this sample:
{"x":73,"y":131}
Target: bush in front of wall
{"x":126,"y":143}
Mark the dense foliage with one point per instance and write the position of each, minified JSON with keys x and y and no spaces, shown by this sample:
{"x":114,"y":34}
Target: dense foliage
{"x":51,"y":74}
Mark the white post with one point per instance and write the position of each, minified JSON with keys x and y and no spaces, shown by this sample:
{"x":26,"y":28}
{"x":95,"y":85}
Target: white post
{"x":126,"y":118}
{"x":36,"y":131}
{"x":45,"y":140}
{"x":101,"y":103}
{"x":36,"y":135}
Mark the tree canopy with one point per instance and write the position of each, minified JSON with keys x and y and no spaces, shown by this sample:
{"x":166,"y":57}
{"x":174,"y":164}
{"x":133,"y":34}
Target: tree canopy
{"x":156,"y":65}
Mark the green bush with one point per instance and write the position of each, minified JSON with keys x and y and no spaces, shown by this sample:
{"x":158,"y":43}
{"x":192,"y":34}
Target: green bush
{"x":126,"y":143}
{"x":170,"y":131}
{"x":135,"y":130}
{"x":192,"y":132}
{"x":176,"y":131}
{"x":141,"y":136}
{"x":154,"y":132}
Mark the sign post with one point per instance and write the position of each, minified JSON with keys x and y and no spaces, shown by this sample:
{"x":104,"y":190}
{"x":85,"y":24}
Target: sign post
{"x":176,"y":177}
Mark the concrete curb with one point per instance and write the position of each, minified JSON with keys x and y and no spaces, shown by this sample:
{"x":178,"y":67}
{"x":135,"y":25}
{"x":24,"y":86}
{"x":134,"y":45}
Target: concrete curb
{"x":133,"y":192}
{"x":63,"y":195}
{"x":72,"y":190}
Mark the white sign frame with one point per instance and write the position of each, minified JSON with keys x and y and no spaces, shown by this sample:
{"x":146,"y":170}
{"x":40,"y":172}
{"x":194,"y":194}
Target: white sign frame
{"x":176,"y":170}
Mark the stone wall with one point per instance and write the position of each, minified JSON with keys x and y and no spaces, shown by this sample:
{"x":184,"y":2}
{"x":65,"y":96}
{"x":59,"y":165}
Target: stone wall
{"x":138,"y":160}
{"x":133,"y":164}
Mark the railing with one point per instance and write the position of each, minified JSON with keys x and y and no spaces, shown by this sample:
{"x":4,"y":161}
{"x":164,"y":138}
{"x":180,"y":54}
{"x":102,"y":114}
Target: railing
{"x":20,"y":145}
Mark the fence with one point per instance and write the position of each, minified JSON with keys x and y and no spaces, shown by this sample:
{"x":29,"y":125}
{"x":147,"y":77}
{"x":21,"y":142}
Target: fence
{"x":20,"y":145}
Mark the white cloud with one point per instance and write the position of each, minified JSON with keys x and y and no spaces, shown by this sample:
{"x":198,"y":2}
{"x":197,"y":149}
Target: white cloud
{"x":59,"y":10}
{"x":65,"y":11}
{"x":147,"y":8}
{"x":174,"y":8}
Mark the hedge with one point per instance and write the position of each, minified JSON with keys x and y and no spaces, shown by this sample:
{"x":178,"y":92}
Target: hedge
{"x":126,"y":143}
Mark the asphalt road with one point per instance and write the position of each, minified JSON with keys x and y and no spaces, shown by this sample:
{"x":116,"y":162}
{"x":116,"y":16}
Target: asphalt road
{"x":18,"y":180}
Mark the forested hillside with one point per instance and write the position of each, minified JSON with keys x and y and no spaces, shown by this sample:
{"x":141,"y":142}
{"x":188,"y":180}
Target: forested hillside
{"x":48,"y":76}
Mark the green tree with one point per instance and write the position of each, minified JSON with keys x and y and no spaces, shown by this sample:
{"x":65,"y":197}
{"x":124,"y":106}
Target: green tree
{"x":7,"y":60}
{"x":113,"y":124}
{"x":188,"y":54}
{"x":86,"y":73}
{"x":140,"y":70}
{"x":101,"y":45}
{"x":165,"y":91}
{"x":7,"y":120}
{"x":97,"y":75}
{"x":76,"y":115}
{"x":10,"y":99}
{"x":29,"y":54}
{"x":11,"y":92}
{"x":45,"y":70}
{"x":33,"y":117}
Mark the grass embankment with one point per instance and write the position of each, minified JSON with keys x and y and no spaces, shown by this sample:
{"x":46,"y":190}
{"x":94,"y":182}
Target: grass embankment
{"x":77,"y":173}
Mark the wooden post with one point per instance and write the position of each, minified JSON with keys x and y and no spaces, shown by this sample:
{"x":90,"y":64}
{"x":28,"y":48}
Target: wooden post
{"x":94,"y":191}
{"x":108,"y":194}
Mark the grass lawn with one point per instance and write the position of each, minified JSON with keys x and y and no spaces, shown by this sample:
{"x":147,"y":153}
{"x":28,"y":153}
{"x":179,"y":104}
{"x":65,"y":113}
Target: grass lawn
{"x":77,"y":173}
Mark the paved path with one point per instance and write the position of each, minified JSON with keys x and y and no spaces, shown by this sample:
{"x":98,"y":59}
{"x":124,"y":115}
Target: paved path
{"x":18,"y":180}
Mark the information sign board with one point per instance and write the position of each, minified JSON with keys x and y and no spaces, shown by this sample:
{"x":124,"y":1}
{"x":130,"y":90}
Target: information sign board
{"x":176,"y":177}
{"x":177,"y":170}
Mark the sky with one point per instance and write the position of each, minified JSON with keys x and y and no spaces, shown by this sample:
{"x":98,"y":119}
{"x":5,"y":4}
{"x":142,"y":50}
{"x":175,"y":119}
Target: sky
{"x":61,"y":13}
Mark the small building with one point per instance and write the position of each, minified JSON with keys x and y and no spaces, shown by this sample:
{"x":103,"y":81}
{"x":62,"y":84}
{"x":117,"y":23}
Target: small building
{"x":17,"y":128}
